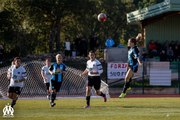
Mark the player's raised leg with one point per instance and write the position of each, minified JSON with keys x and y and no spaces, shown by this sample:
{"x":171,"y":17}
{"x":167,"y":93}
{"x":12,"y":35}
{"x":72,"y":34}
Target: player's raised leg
{"x":126,"y":87}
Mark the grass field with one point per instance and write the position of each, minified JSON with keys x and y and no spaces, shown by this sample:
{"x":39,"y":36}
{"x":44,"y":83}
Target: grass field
{"x":114,"y":109}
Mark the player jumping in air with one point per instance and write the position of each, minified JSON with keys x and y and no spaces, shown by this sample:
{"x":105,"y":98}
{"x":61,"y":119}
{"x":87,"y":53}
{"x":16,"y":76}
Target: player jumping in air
{"x":57,"y":70}
{"x":133,"y":62}
{"x":94,"y":70}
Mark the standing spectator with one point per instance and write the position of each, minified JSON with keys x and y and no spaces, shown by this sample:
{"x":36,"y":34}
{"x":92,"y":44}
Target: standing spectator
{"x":109,"y":42}
{"x":73,"y":49}
{"x":1,"y":54}
{"x":83,"y":47}
{"x":92,"y":42}
{"x":57,"y":70}
{"x":67,"y":46}
{"x":170,"y":54}
{"x":77,"y":44}
{"x":46,"y":75}
{"x":94,"y":70}
{"x":17,"y":75}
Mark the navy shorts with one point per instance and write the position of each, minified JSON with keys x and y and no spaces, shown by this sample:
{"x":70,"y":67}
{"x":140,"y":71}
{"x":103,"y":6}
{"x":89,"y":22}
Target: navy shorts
{"x":12,"y":89}
{"x":134,"y":68}
{"x":94,"y":81}
{"x":55,"y":85}
{"x":47,"y":85}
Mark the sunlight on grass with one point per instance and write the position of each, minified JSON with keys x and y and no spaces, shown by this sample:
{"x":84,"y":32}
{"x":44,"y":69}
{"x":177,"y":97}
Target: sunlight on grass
{"x":114,"y":109}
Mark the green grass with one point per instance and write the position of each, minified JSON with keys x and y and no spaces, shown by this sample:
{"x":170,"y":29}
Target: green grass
{"x":114,"y":109}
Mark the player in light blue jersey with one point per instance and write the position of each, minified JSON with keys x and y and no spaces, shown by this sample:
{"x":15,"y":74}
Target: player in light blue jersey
{"x":57,"y":70}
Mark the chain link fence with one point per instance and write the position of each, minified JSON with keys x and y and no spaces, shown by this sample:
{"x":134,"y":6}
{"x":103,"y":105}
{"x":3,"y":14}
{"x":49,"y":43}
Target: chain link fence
{"x":73,"y":85}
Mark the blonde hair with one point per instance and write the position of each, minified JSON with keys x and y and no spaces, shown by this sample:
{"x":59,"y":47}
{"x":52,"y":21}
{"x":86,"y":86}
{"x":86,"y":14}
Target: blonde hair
{"x":58,"y":55}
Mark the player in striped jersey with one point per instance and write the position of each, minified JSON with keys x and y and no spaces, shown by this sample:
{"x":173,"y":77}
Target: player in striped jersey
{"x":57,"y":70}
{"x":93,"y":70}
{"x":17,"y":75}
{"x":46,"y":75}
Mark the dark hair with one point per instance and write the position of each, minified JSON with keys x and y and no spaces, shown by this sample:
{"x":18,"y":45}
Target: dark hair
{"x":133,"y":40}
{"x":17,"y":58}
{"x":92,"y":51}
{"x":48,"y":58}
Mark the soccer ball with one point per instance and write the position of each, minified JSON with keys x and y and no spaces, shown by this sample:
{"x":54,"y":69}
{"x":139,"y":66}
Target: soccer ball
{"x":102,"y":17}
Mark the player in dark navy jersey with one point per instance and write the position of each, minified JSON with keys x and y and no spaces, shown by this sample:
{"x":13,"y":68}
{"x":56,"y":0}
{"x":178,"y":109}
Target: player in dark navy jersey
{"x":57,"y":71}
{"x":133,"y":62}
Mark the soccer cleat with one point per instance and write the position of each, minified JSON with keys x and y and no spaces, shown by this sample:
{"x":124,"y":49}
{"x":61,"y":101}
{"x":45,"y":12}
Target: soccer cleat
{"x":52,"y":104}
{"x":12,"y":104}
{"x":129,"y":88}
{"x":86,"y":107}
{"x":122,"y":95}
{"x":48,"y":97}
{"x":105,"y":98}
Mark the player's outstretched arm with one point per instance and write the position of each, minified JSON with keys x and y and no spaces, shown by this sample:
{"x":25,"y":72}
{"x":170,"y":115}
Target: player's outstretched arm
{"x":85,"y":72}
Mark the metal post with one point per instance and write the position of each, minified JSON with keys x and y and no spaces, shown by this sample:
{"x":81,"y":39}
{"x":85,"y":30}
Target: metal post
{"x":179,"y":76}
{"x":106,"y":72}
{"x":143,"y":78}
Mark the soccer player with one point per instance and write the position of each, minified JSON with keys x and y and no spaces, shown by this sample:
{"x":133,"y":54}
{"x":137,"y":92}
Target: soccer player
{"x":133,"y":62}
{"x":94,"y":70}
{"x":46,"y":75}
{"x":57,"y":70}
{"x":17,"y":75}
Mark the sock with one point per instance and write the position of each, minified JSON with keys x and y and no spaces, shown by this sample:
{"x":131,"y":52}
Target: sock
{"x":13,"y":103}
{"x":102,"y":94}
{"x":130,"y":80}
{"x":88,"y":100}
{"x":126,"y":86}
{"x":53,"y":97}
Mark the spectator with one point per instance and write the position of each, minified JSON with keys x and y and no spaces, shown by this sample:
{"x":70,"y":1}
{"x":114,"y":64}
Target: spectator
{"x":176,"y":53}
{"x":143,"y":53}
{"x":170,"y":54}
{"x":83,"y":46}
{"x":67,"y":46}
{"x":109,"y":42}
{"x":77,"y":44}
{"x":152,"y":48}
{"x":94,"y":43}
{"x":163,"y":56}
{"x":73,"y":48}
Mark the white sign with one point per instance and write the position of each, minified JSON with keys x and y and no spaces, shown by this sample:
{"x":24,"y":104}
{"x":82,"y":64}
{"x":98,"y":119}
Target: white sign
{"x":8,"y":111}
{"x":116,"y":70}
